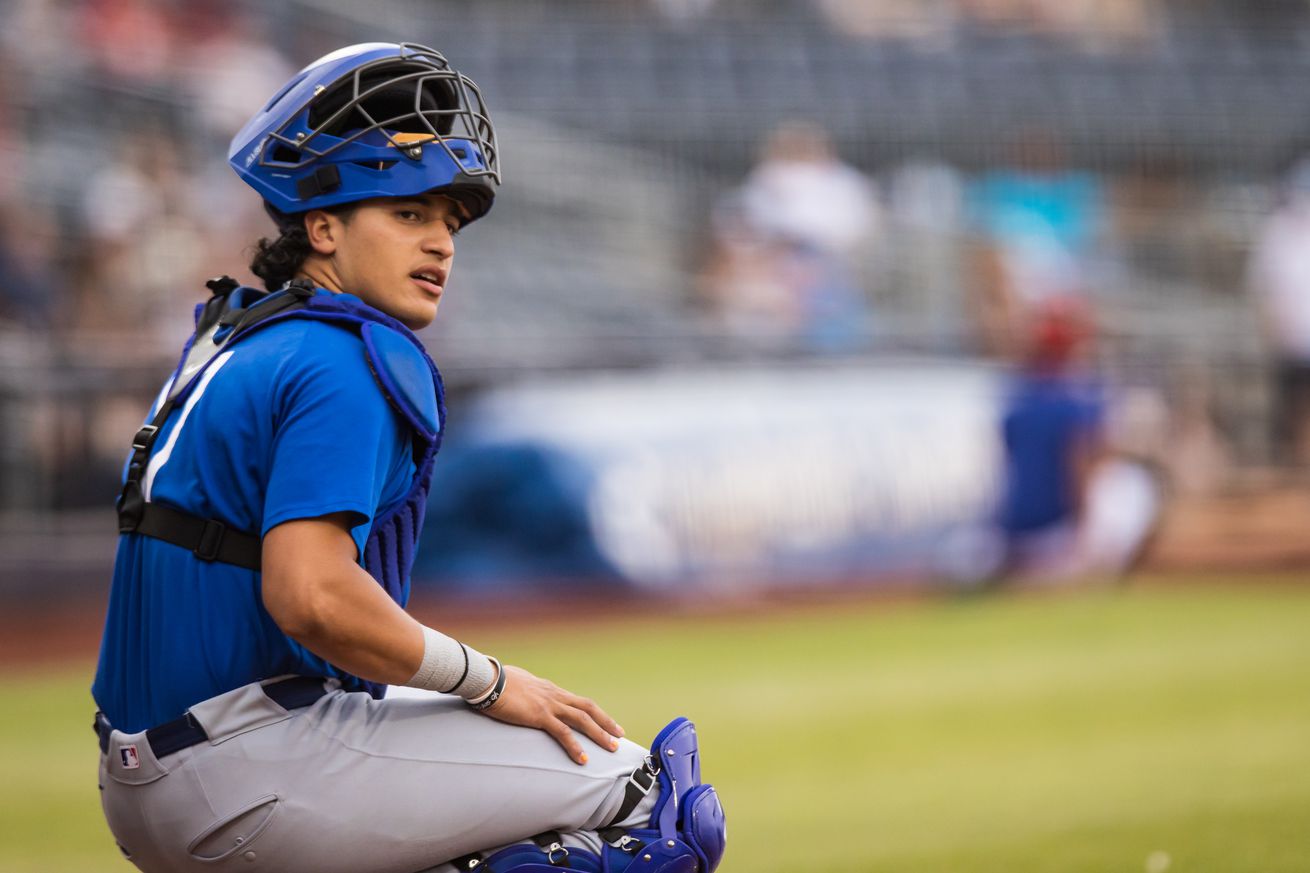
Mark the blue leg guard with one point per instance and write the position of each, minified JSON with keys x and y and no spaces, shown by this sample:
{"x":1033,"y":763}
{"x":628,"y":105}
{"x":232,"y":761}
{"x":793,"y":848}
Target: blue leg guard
{"x":686,"y":832}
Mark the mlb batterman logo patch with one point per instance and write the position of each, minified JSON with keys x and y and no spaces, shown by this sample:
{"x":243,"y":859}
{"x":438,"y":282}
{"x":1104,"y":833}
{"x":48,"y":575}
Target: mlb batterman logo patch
{"x":130,"y":759}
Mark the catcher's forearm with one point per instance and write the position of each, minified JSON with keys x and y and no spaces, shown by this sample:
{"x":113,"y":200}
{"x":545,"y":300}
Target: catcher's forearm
{"x":319,"y":596}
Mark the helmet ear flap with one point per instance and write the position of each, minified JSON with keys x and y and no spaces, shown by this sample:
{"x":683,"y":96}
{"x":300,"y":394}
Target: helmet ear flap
{"x":474,"y":196}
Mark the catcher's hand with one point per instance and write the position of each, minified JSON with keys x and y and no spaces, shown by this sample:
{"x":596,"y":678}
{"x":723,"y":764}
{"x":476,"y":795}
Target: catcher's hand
{"x":531,"y":701}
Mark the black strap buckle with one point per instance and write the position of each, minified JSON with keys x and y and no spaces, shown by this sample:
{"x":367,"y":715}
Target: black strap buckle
{"x":302,"y":289}
{"x":620,"y":839}
{"x":630,"y":844}
{"x":221,"y":285}
{"x":552,"y":844}
{"x":211,"y":540}
{"x":640,"y":782}
{"x":145,"y":437}
{"x":643,"y":778}
{"x":557,"y":855}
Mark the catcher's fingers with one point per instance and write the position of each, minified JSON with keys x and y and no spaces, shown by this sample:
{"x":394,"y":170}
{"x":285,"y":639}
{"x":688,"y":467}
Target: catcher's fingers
{"x":530,"y":701}
{"x":600,"y":716}
{"x":586,"y":723}
{"x":566,"y":738}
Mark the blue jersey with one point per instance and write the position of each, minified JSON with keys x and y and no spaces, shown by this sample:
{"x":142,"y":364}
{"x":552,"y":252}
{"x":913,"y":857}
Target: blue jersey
{"x":1047,"y":420}
{"x":289,"y":423}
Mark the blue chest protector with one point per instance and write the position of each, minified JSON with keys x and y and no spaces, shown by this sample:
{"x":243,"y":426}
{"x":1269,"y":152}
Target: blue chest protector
{"x":405,"y":375}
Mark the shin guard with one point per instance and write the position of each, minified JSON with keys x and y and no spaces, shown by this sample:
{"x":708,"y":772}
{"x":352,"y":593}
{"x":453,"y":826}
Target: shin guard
{"x":687,"y":831}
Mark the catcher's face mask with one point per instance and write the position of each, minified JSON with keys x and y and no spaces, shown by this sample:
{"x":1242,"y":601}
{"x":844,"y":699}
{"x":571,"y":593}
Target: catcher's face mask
{"x":373,"y":120}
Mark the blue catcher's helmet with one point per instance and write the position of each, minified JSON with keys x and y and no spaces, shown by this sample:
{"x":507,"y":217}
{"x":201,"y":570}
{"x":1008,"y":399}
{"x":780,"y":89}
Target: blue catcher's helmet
{"x":371,"y":120}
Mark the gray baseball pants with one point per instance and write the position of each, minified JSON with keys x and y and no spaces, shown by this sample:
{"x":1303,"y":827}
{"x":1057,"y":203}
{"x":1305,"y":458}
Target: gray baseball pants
{"x":351,"y":784}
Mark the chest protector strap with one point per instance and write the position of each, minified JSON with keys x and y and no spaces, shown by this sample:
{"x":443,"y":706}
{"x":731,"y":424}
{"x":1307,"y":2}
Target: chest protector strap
{"x":209,"y":539}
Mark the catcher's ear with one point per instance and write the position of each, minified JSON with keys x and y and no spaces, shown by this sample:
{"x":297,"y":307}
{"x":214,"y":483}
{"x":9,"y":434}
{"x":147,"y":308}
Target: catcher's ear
{"x":321,"y":228}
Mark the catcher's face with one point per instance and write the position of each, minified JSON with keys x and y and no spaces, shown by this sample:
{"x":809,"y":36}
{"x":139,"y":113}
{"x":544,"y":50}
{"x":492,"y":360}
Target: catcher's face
{"x":394,"y":253}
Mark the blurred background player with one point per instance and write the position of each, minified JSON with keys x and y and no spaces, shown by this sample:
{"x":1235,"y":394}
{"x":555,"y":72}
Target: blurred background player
{"x":1070,"y":505}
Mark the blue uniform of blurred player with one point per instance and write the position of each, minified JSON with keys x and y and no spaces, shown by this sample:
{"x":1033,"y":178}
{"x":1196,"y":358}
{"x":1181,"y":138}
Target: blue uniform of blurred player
{"x":1051,"y":434}
{"x":1070,"y":506}
{"x":1051,"y":428}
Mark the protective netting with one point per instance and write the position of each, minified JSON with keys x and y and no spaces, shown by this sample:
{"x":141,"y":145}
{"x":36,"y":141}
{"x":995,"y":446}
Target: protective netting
{"x":686,"y":180}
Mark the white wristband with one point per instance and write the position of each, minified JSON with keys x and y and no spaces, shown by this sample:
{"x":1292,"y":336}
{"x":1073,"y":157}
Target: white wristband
{"x":451,"y":667}
{"x":499,"y":686}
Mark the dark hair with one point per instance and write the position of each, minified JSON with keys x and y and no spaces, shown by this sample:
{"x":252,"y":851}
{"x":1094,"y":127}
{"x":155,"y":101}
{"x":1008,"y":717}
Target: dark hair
{"x":278,"y":260}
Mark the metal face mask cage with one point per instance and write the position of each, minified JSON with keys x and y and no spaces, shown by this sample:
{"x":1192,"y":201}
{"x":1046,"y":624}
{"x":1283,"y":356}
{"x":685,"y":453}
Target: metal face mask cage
{"x":445,"y":105}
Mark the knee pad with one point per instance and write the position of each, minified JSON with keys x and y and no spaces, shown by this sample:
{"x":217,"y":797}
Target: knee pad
{"x":687,"y":831}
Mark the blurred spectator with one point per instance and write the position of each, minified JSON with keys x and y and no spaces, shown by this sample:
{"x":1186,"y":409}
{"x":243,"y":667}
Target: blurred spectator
{"x":143,"y":246}
{"x":742,"y":283}
{"x":923,"y":20}
{"x":1094,"y":24}
{"x":1279,"y":277}
{"x":802,"y":193}
{"x":788,"y":241}
{"x":1035,"y":222}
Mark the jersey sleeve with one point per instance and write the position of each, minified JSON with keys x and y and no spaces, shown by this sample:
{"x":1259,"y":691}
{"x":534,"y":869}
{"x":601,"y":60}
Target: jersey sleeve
{"x":338,"y":446}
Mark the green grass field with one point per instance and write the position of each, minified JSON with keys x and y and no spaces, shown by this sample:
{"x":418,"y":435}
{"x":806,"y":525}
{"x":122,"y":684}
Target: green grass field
{"x":1145,"y":730}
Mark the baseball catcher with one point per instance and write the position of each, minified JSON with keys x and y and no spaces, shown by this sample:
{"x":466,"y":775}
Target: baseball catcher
{"x":269,"y":514}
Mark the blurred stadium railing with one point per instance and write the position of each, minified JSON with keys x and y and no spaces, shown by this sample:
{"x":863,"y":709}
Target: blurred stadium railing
{"x":626,"y":126}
